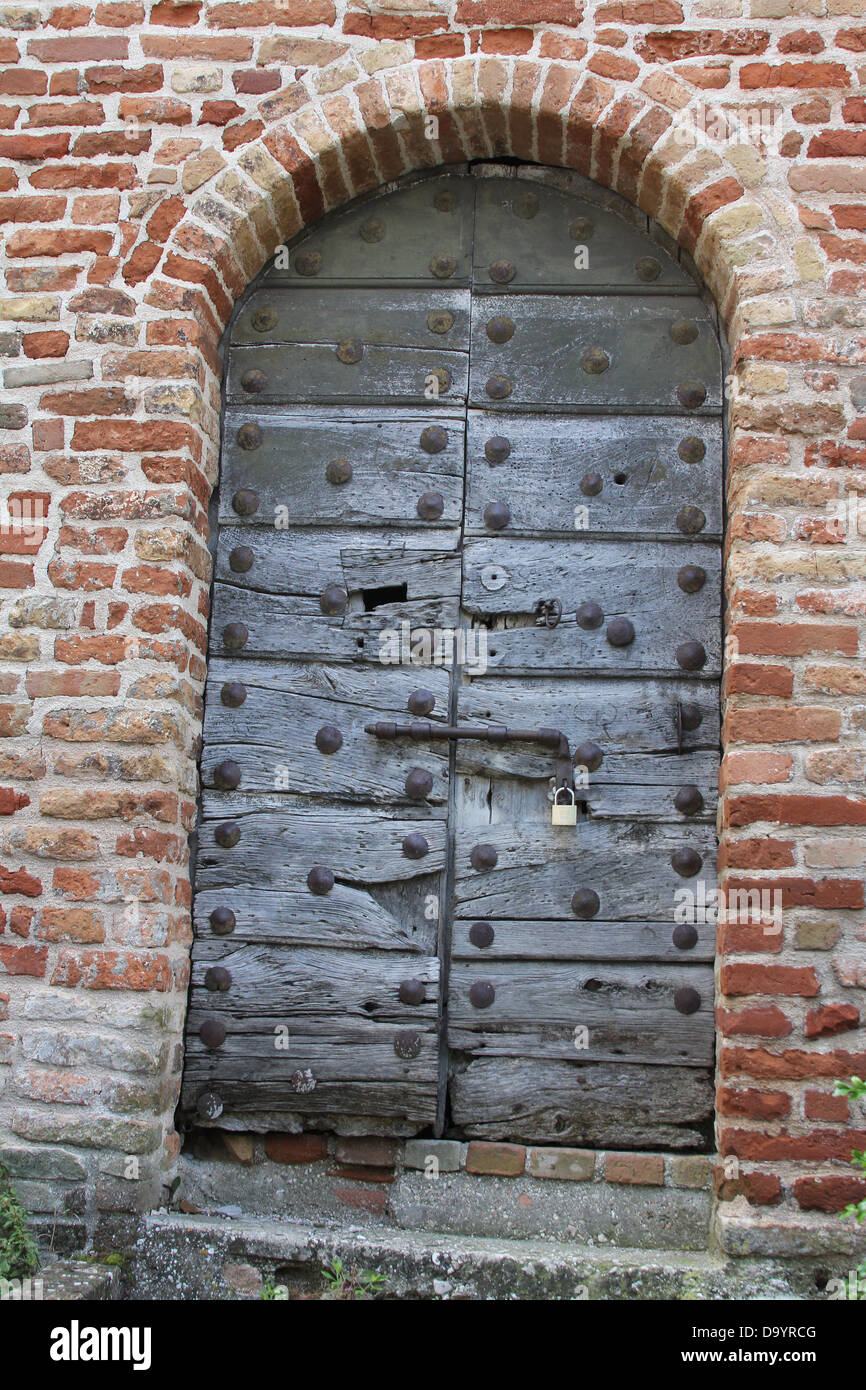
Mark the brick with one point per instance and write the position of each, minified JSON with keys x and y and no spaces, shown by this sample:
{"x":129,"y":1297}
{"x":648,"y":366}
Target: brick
{"x":831,"y":1019}
{"x":769,"y":75}
{"x":368,"y":1151}
{"x":644,"y":1170}
{"x":744,"y":979}
{"x":753,"y":1104}
{"x":501,"y":1160}
{"x":296,"y":1148}
{"x":690,"y":1170}
{"x":432,"y":1156}
{"x":566,"y":1165}
{"x":829,"y":1194}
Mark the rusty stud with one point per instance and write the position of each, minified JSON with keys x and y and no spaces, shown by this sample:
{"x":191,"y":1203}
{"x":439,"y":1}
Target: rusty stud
{"x":407,"y":1044}
{"x":443,"y":267}
{"x":254,"y":381}
{"x":496,"y":516}
{"x":443,"y":376}
{"x":217,"y":978}
{"x":691,"y":394}
{"x":333,"y":601}
{"x":687,"y":1000}
{"x":588,"y":755}
{"x":415,"y":846}
{"x":444,"y":200}
{"x":689,"y":801}
{"x":338,"y":472}
{"x":684,"y":936}
{"x":440,"y":321}
{"x":320,"y":880}
{"x":585,"y":903}
{"x":691,"y":717}
{"x":647,"y":268}
{"x":501,"y":272}
{"x":209,"y":1106}
{"x":481,"y":934}
{"x":595,"y":361}
{"x":686,"y":862}
{"x":591,"y":485}
{"x":434,"y":439}
{"x":245,"y":502}
{"x":264,"y":318}
{"x":497,"y":449}
{"x":223,"y":921}
{"x":302,"y":1082}
{"x":589,"y":616}
{"x":241,"y":559}
{"x":430,"y":506}
{"x":691,"y":520}
{"x":581,"y":228}
{"x":227,"y":775}
{"x":249,"y":436}
{"x":419,"y":784}
{"x":691,"y":578}
{"x":308,"y":262}
{"x":620,"y":632}
{"x":498,"y":387}
{"x":233,"y":694}
{"x":500,"y":328}
{"x":212,"y":1033}
{"x":329,"y":739}
{"x":421,"y":702}
{"x":228,"y":834}
{"x":525,"y":205}
{"x":411,"y":991}
{"x":691,"y":449}
{"x":691,"y":655}
{"x":235,"y":636}
{"x":684,"y":331}
{"x":481,"y":994}
{"x":350,"y":351}
{"x":483,"y":857}
{"x":372,"y":230}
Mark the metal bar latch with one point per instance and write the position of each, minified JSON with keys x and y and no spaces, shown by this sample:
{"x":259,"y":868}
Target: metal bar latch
{"x":422,"y":730}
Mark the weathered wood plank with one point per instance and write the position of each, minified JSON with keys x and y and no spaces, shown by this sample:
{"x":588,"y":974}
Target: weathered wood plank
{"x":350,"y":918}
{"x":580,"y":941}
{"x":380,"y":316}
{"x":389,"y":686}
{"x":307,"y":372}
{"x":293,"y":561}
{"x":330,"y":1106}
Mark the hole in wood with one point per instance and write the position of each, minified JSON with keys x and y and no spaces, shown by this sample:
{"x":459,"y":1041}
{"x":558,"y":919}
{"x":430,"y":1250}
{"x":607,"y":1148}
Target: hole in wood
{"x":389,"y":593}
{"x":620,"y":478}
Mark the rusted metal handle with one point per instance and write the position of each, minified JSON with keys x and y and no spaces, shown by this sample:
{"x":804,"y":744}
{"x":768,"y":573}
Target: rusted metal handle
{"x":423,"y":730}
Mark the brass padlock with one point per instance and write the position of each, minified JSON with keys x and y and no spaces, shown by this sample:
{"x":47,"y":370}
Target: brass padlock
{"x":564,"y":813}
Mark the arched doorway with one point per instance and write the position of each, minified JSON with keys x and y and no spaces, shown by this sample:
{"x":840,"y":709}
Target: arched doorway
{"x":471,"y":482}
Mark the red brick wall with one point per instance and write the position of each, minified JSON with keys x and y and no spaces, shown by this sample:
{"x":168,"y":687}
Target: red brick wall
{"x":152,"y":159}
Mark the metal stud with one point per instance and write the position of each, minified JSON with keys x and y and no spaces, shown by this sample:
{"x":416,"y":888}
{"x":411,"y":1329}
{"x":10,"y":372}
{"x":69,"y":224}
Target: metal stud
{"x":235,"y":636}
{"x":691,"y":394}
{"x":227,"y":775}
{"x":245,"y":502}
{"x":209,"y":1105}
{"x":588,"y":755}
{"x":686,"y":862}
{"x":350,"y":351}
{"x":440,"y":321}
{"x":430,"y":506}
{"x":691,"y":578}
{"x":689,"y":801}
{"x":585,"y":903}
{"x":372,"y":230}
{"x":339,"y":472}
{"x":415,"y":846}
{"x":502,"y":272}
{"x":691,"y":520}
{"x":691,"y":655}
{"x":684,"y":331}
{"x":692,"y":449}
{"x":691,"y":716}
{"x":434,"y":439}
{"x":443,"y":267}
{"x":581,"y":228}
{"x":498,"y":387}
{"x":500,"y":328}
{"x":222,"y":921}
{"x":496,"y":516}
{"x":301,"y":1081}
{"x":407,"y":1044}
{"x":620,"y":632}
{"x":249,"y":436}
{"x":320,"y":880}
{"x":308,"y":262}
{"x":421,"y":702}
{"x":595,"y":361}
{"x":264,"y":318}
{"x":687,"y":1000}
{"x":684,"y":936}
{"x":241,"y":559}
{"x":228,"y":834}
{"x":591,"y":484}
{"x":212,"y":1033}
{"x":411,"y":991}
{"x":647,"y":268}
{"x":329,"y":739}
{"x":497,"y":449}
{"x":589,"y":616}
{"x":217,"y":978}
{"x":483,"y":857}
{"x":233,"y":694}
{"x":333,"y":600}
{"x":419,"y":784}
{"x":481,"y":934}
{"x":254,"y":381}
{"x":526,"y":205}
{"x":444,"y":200}
{"x":443,"y":376}
{"x":481,"y":994}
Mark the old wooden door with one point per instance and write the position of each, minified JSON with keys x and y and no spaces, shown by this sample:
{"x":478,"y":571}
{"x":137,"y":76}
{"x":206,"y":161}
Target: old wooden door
{"x":471,"y":478}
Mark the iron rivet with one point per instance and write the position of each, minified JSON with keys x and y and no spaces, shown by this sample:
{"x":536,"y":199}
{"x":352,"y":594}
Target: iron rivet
{"x":444,"y":201}
{"x":481,"y":994}
{"x":686,"y":862}
{"x":496,"y":516}
{"x":249,"y":436}
{"x":415,"y":846}
{"x":481,"y":934}
{"x":264,"y":318}
{"x":497,"y":449}
{"x":647,"y":268}
{"x":212,"y":1033}
{"x":691,"y":655}
{"x":443,"y":376}
{"x":581,"y":228}
{"x":500,"y":328}
{"x":588,"y":755}
{"x":684,"y":331}
{"x":443,"y":267}
{"x":595,"y":361}
{"x":235,"y":636}
{"x":338,"y":472}
{"x":228,"y":834}
{"x":501,"y":272}
{"x":245,"y":502}
{"x":217,"y":978}
{"x":421,"y":702}
{"x":692,"y":449}
{"x":254,"y":381}
{"x":691,"y":520}
{"x":350,"y":351}
{"x":526,"y":205}
{"x":691,"y":578}
{"x":591,"y":485}
{"x":411,"y":992}
{"x":483,"y":857}
{"x":320,"y":880}
{"x":241,"y":559}
{"x":419,"y":783}
{"x":691,"y":716}
{"x":585,"y":903}
{"x":689,"y":801}
{"x":329,"y":739}
{"x":431,"y":505}
{"x":498,"y":387}
{"x":407,"y":1044}
{"x":684,"y":936}
{"x":302,"y":1082}
{"x":372,"y":230}
{"x":209,"y":1105}
{"x":589,"y":616}
{"x":687,"y":1000}
{"x":308,"y":262}
{"x":223,"y":921}
{"x":620,"y":632}
{"x":233,"y":694}
{"x":440,"y":321}
{"x":691,"y":394}
{"x":434,"y":439}
{"x":333,"y":600}
{"x":227,"y":775}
